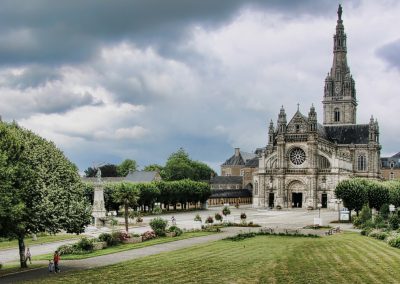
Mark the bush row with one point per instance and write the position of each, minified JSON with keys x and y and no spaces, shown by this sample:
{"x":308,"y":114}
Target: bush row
{"x":243,"y":236}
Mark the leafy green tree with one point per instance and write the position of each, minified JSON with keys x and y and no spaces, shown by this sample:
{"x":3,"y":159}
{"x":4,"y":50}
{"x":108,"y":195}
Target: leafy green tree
{"x":378,"y":194}
{"x":90,"y":172}
{"x":149,"y":193}
{"x":40,"y":190}
{"x":179,"y":166}
{"x":125,"y":167}
{"x":353,"y":192}
{"x":154,"y":167}
{"x":127,"y":194}
{"x":394,"y":192}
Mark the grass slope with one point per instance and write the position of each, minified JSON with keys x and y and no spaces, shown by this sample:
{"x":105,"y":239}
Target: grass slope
{"x":124,"y":247}
{"x":342,"y":258}
{"x":39,"y":241}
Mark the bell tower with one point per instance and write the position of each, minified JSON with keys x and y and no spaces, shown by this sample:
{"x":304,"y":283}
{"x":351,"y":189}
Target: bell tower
{"x":340,"y":104}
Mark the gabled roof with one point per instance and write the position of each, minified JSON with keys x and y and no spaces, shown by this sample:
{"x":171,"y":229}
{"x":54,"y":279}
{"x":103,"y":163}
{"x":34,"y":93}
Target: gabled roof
{"x":232,"y":193}
{"x":239,"y":160}
{"x":396,"y":155}
{"x":348,"y":134}
{"x":142,"y":176}
{"x":103,"y":179}
{"x":226,"y":180}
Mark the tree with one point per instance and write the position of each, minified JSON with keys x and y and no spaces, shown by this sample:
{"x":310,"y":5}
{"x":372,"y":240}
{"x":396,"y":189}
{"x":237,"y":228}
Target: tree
{"x":90,"y":172}
{"x":125,"y":167}
{"x":378,"y":194}
{"x":179,"y":166}
{"x":127,"y":194}
{"x":353,"y":192}
{"x":40,"y":190}
{"x":154,"y":167}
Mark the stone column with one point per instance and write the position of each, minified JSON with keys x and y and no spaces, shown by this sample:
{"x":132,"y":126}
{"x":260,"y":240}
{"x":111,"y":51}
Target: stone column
{"x":98,"y":210}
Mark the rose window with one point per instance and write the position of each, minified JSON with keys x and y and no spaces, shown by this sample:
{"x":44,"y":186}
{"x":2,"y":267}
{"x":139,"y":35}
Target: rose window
{"x":297,"y":156}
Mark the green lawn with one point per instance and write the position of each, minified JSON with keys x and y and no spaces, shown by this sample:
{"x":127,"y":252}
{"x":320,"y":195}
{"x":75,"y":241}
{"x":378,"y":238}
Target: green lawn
{"x":40,"y":240}
{"x":124,"y":247}
{"x":342,"y":258}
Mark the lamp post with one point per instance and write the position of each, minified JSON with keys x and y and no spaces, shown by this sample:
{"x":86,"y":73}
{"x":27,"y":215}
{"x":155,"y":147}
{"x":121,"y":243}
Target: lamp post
{"x":338,"y":201}
{"x":319,"y":205}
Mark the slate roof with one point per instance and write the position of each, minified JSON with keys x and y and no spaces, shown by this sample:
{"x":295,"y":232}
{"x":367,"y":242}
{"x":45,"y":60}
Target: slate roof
{"x":141,"y":176}
{"x":396,"y":155}
{"x":232,"y":193}
{"x":239,"y":160}
{"x":252,"y":163}
{"x":348,"y":134}
{"x":226,"y":180}
{"x":103,"y":179}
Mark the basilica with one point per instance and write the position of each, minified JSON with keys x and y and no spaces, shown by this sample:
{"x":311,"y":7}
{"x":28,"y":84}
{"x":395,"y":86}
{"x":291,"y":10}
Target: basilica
{"x":304,"y":160}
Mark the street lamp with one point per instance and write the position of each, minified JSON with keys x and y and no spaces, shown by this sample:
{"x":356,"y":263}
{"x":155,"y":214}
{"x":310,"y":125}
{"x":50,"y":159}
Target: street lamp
{"x":338,"y":201}
{"x":319,"y":205}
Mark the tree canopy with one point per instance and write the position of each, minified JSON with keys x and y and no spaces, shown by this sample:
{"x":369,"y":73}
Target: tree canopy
{"x":40,"y":189}
{"x":179,"y":166}
{"x":125,"y":167}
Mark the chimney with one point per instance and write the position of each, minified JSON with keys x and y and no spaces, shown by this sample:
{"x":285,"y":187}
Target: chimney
{"x":237,"y":152}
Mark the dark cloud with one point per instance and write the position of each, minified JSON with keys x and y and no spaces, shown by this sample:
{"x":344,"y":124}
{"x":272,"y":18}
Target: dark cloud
{"x":391,"y":53}
{"x":55,"y":32}
{"x":32,"y":77}
{"x":62,"y":102}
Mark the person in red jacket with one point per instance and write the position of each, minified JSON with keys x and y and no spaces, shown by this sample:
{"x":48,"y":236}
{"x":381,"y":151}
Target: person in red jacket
{"x":56,"y":260}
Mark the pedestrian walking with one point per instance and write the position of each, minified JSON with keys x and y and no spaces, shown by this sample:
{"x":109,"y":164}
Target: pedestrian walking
{"x":56,"y":260}
{"x":173,"y":220}
{"x":28,"y":256}
{"x":51,"y":265}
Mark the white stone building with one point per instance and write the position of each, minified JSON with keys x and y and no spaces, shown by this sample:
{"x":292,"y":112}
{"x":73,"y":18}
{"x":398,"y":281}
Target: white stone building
{"x":304,"y":160}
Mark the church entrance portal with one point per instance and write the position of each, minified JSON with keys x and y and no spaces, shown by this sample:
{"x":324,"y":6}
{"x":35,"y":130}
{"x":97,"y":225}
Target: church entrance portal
{"x":271,"y":200}
{"x":295,"y":194}
{"x":297,"y":200}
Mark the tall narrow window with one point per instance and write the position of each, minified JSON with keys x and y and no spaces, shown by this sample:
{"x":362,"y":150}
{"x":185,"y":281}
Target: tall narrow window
{"x":362,"y":163}
{"x":337,"y":115}
{"x":256,"y":188}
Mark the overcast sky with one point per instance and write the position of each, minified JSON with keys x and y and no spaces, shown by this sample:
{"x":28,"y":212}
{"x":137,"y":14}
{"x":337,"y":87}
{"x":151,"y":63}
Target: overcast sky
{"x":109,"y":80}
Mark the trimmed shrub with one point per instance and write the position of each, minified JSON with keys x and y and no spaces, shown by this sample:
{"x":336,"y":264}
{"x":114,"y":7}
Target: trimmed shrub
{"x":159,"y":225}
{"x":365,"y":231}
{"x":157,"y":210}
{"x":108,"y":238}
{"x":394,"y":221}
{"x":120,"y":236}
{"x":148,"y":235}
{"x":197,"y":218}
{"x":66,"y":249}
{"x":218,"y":217}
{"x":209,"y":220}
{"x":384,"y":211}
{"x":378,"y":234}
{"x":379,"y":222}
{"x":175,"y":229}
{"x":226,"y":211}
{"x":84,"y":244}
{"x":357,"y":222}
{"x":394,"y":240}
{"x":365,"y":214}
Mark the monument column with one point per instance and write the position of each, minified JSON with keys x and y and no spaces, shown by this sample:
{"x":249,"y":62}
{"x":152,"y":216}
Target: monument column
{"x":98,"y":210}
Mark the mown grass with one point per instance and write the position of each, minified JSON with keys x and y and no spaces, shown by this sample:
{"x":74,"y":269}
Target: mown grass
{"x":39,"y":241}
{"x":124,"y":247}
{"x":12,"y":267}
{"x":342,"y":258}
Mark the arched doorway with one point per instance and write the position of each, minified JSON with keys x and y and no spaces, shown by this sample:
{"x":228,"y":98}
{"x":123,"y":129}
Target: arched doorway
{"x":295,"y":194}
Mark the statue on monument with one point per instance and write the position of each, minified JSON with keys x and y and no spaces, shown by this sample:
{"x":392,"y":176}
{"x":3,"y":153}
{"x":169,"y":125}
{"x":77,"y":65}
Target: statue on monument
{"x":98,"y":175}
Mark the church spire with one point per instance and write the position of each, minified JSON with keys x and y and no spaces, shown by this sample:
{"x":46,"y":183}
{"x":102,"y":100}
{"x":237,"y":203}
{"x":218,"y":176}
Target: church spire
{"x":340,"y":103}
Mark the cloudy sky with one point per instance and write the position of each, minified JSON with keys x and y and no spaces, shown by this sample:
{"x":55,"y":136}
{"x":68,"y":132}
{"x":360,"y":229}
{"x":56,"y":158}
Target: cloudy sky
{"x":109,"y":80}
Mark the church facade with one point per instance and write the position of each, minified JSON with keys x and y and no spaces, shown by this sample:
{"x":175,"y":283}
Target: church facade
{"x":305,"y":160}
